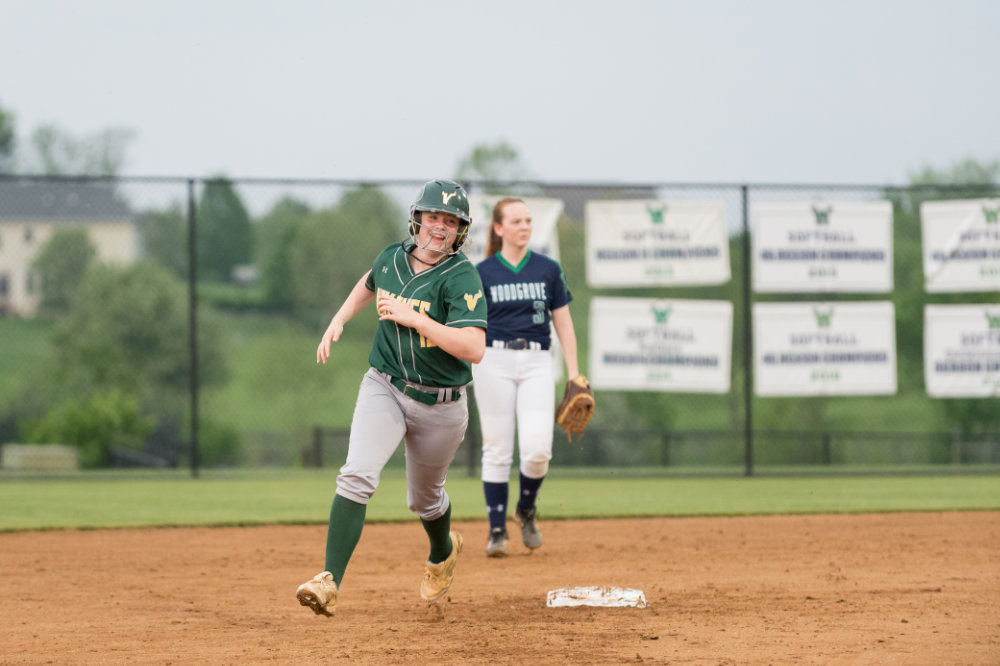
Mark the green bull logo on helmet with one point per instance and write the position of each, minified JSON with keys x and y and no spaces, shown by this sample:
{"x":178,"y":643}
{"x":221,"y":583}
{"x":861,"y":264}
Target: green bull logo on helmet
{"x":991,"y":214}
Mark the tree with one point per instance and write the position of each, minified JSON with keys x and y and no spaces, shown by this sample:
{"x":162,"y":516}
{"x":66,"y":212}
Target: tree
{"x":124,"y":340}
{"x":320,"y":270}
{"x":275,"y":236}
{"x":61,"y":265}
{"x":966,"y":173}
{"x":95,"y":424}
{"x":323,"y":267}
{"x":128,"y":330}
{"x":367,"y":208}
{"x":56,"y":152}
{"x":490,"y":165}
{"x":8,"y":140}
{"x":164,"y":238}
{"x":223,"y":231}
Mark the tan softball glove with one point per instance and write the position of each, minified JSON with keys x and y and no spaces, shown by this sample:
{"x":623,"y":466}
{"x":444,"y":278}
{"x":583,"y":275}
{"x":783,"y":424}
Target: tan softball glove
{"x":576,"y":408}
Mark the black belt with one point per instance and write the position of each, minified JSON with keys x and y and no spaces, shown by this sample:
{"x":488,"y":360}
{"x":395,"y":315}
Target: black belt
{"x":518,"y":343}
{"x":426,"y":397}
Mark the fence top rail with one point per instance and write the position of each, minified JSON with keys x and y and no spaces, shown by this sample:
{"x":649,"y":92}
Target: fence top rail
{"x":255,"y":180}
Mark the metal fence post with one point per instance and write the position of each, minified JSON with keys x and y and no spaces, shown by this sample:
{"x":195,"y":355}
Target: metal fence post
{"x":193,"y":323}
{"x":747,"y":336}
{"x":317,"y":447}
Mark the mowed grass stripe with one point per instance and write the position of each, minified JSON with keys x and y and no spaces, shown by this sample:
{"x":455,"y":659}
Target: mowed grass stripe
{"x":93,"y":501}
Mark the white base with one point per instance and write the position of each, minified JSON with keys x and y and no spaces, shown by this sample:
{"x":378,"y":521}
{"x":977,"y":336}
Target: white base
{"x":607,"y":597}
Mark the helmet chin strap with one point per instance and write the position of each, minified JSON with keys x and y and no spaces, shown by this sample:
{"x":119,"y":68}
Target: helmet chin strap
{"x":418,"y":225}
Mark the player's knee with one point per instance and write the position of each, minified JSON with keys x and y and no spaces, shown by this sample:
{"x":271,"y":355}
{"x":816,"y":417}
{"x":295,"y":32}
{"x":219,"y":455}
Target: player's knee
{"x":497,"y":462}
{"x":428,"y":506}
{"x":357,"y":487}
{"x":535,"y":465}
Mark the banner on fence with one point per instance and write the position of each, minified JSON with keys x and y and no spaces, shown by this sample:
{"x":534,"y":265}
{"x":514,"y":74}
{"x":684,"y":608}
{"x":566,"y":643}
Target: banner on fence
{"x":961,"y":242}
{"x":545,"y":214}
{"x":962,"y":351}
{"x":822,"y":247}
{"x":828,"y":348}
{"x":645,"y":242}
{"x":644,"y":344}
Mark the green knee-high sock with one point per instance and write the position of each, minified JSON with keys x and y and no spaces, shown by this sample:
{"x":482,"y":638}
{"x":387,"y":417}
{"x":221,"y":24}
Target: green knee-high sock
{"x":437,"y":531}
{"x":347,"y":518}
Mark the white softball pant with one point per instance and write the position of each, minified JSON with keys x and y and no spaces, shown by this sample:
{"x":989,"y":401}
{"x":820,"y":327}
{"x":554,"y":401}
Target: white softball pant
{"x":382,"y":417}
{"x":515,"y":385}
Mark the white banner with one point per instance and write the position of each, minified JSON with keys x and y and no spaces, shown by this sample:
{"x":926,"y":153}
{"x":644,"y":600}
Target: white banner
{"x":644,"y":242}
{"x":644,"y":344}
{"x":805,"y":349}
{"x":962,"y":351}
{"x":822,"y":247}
{"x":961,"y":245}
{"x":544,"y":215}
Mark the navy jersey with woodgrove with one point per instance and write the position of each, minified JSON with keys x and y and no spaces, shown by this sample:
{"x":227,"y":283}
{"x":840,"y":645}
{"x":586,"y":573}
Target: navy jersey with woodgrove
{"x":521,"y":298}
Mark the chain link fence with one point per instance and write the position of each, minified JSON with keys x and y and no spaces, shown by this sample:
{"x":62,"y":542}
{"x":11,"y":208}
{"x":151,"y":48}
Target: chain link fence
{"x":180,"y":329}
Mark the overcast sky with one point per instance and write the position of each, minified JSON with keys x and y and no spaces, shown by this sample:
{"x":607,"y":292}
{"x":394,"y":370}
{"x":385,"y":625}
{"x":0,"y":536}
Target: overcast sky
{"x":841,"y":91}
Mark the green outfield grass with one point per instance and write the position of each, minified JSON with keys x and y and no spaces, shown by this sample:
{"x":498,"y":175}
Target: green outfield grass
{"x":93,"y":500}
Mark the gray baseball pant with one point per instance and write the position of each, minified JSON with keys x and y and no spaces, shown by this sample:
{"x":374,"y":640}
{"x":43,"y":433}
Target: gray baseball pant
{"x":382,"y":417}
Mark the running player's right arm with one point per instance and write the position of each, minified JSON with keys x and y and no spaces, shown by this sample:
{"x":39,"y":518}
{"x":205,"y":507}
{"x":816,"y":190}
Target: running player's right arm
{"x":356,"y":301}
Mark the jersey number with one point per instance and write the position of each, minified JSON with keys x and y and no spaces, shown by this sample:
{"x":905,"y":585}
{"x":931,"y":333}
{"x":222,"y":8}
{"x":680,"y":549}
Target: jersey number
{"x":539,"y":316}
{"x":422,"y":308}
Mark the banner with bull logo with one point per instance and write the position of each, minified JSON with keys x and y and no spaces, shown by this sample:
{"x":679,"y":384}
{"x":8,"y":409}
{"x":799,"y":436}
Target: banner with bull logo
{"x":961,"y":241}
{"x":645,"y":242}
{"x":822,"y":247}
{"x":962,"y":351}
{"x":643,"y":344}
{"x":803,"y":349}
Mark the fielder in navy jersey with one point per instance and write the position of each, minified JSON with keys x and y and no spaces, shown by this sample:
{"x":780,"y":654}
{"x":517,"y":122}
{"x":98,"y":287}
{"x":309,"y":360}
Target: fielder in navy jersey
{"x":514,"y":383}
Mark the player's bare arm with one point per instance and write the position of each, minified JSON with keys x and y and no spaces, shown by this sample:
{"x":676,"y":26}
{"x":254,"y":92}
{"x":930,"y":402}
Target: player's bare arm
{"x":467,"y":343}
{"x":356,"y":301}
{"x":563,"y":324}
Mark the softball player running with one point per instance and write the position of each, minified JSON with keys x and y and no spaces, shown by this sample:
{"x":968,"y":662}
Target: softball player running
{"x":432,"y":321}
{"x":514,"y":381}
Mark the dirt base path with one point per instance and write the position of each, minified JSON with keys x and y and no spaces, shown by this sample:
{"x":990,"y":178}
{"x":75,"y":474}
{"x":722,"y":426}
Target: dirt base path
{"x":868,"y":589}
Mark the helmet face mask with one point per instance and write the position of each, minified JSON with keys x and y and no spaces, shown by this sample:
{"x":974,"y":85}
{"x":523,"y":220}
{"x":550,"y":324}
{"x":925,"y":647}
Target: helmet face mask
{"x":443,"y":196}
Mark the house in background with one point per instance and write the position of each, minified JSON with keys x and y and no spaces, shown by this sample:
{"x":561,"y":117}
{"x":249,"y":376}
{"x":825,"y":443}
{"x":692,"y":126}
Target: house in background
{"x":31,"y":212}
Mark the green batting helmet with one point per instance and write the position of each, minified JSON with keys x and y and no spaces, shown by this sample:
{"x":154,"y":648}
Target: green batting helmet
{"x":443,"y":196}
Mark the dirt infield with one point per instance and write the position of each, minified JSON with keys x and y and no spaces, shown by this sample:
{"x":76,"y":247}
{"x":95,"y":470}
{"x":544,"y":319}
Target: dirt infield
{"x":869,"y":589}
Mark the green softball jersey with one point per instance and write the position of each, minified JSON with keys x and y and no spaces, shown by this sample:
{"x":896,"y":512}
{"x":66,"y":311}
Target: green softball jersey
{"x":451,"y":293}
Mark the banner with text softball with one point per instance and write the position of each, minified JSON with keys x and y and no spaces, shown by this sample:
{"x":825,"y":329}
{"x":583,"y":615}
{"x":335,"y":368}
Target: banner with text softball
{"x":822,"y":247}
{"x":545,"y":213}
{"x":961,"y":245}
{"x":644,"y":344}
{"x":962,"y":351}
{"x":644,"y":242}
{"x":838,"y":348}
